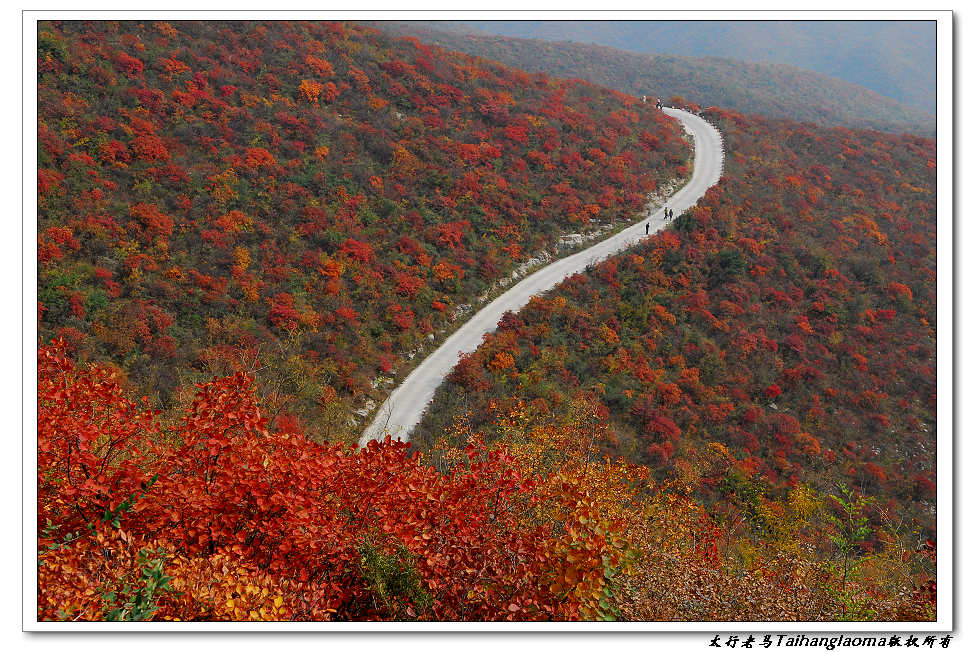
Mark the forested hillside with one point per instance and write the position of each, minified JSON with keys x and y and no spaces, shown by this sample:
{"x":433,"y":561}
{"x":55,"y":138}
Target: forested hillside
{"x":774,"y":90}
{"x":311,"y":202}
{"x":246,"y":229}
{"x":789,"y":317}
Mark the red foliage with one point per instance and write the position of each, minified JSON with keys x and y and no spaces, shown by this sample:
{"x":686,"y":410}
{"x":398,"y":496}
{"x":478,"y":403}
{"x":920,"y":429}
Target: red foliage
{"x":129,"y":65}
{"x":258,"y":157}
{"x":309,"y":519}
{"x":282,"y":313}
{"x":356,"y":250}
{"x":150,"y":147}
{"x":451,"y":234}
{"x":152,"y":219}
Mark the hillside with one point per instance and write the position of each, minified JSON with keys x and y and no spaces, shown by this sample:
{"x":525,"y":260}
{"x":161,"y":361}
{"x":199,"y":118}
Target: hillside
{"x":212,"y":515}
{"x":789,"y":317}
{"x":245,"y":229}
{"x":404,"y":408}
{"x":311,"y":202}
{"x":893,"y":57}
{"x":774,"y":90}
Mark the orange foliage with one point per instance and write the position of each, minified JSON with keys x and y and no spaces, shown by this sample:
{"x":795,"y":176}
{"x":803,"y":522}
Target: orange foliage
{"x":321,"y":67}
{"x":502,"y":362}
{"x":310,"y":90}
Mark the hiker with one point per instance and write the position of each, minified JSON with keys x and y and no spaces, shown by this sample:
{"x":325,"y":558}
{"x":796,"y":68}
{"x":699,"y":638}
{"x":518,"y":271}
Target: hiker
{"x":644,"y":99}
{"x":648,"y":228}
{"x":666,"y":213}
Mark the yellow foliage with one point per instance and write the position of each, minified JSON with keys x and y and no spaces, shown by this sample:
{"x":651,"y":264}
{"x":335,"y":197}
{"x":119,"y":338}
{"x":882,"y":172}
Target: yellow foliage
{"x":242,"y":257}
{"x":404,"y":161}
{"x":221,"y":588}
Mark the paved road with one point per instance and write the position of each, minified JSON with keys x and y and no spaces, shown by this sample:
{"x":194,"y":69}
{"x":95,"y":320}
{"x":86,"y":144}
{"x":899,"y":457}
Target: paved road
{"x":404,"y":407}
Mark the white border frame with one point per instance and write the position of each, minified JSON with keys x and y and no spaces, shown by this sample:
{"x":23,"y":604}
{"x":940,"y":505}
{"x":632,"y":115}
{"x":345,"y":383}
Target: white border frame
{"x":945,"y":202}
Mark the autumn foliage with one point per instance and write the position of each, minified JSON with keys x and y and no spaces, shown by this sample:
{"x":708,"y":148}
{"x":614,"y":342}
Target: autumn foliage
{"x":215,"y":517}
{"x":789,"y":316}
{"x":253,"y":524}
{"x":349,"y":169}
{"x":254,"y":226}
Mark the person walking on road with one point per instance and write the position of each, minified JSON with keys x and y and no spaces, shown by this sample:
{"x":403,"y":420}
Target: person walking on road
{"x":648,"y":228}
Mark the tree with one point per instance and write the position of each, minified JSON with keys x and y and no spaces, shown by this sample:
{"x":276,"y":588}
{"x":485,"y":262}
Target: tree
{"x":850,"y":529}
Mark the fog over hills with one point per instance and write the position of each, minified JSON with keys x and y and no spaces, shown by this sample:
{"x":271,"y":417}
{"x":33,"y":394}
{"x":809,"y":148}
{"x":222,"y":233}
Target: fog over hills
{"x":775,"y":90}
{"x":893,"y":58}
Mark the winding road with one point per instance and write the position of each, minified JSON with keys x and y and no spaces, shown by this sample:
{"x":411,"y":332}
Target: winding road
{"x":400,"y":413}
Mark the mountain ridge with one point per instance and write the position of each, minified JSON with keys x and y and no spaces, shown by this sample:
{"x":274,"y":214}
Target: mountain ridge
{"x":895,"y":58}
{"x":775,"y":90}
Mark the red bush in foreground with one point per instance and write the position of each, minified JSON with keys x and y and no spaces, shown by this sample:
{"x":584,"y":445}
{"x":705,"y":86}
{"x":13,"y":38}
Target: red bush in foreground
{"x":294,"y":529}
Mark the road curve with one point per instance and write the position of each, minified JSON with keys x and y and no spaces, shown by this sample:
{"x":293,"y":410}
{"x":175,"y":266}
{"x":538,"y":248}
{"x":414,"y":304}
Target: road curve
{"x":400,"y":413}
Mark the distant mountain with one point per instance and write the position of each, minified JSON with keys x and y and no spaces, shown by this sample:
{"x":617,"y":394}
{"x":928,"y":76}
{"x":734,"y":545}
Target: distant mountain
{"x":894,"y":58}
{"x":775,"y":90}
